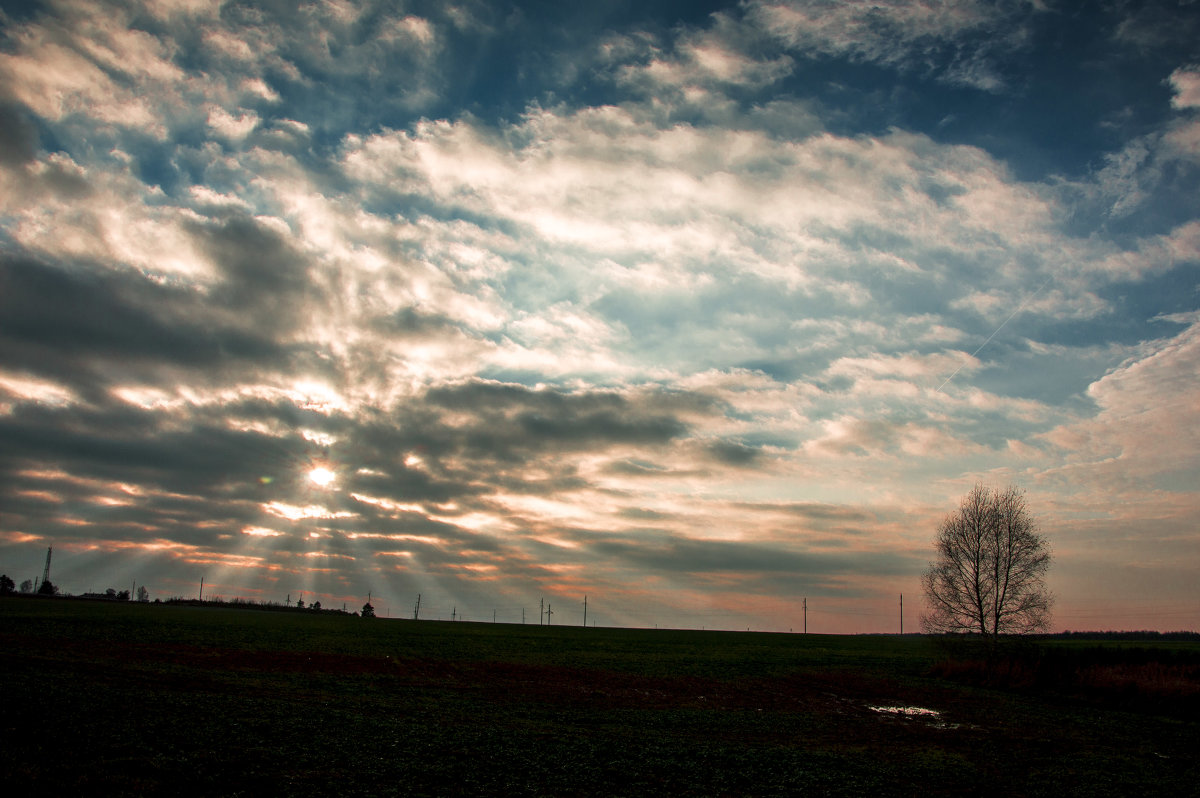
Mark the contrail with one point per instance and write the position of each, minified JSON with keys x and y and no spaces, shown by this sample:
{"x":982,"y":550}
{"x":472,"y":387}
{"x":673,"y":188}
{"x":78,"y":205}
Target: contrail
{"x":994,"y":332}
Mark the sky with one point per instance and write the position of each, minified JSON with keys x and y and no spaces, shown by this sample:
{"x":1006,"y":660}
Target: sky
{"x":705,"y":311}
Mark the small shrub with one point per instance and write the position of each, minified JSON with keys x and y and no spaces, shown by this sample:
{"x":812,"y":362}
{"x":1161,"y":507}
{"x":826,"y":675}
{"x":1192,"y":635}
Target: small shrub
{"x":1134,"y":678}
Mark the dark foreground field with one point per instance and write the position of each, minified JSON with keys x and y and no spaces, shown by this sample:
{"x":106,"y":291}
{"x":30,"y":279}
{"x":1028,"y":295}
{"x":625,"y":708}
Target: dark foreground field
{"x":126,"y":699}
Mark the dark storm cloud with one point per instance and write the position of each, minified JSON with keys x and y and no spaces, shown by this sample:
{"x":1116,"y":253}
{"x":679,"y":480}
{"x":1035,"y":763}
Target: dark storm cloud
{"x":642,"y":514}
{"x":819,"y":513}
{"x":510,"y":420}
{"x":392,"y":479}
{"x":479,"y":436}
{"x":265,"y":277}
{"x":124,"y":443}
{"x":140,"y":475}
{"x":412,"y":322}
{"x":734,"y":454}
{"x":18,"y":135}
{"x":373,"y":534}
{"x":639,"y":468}
{"x":93,"y":328}
{"x":74,"y":323}
{"x":230,"y":473}
{"x":673,"y":554}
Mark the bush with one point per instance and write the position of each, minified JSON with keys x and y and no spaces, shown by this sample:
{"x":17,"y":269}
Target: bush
{"x":1133,"y":678}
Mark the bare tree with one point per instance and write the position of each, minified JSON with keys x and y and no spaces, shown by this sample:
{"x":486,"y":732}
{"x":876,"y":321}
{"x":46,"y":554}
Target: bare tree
{"x":989,"y":574}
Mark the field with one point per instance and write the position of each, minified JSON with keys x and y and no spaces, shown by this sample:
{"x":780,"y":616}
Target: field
{"x":126,"y":699}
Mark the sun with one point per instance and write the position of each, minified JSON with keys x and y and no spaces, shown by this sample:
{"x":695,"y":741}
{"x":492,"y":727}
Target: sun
{"x":322,"y":476}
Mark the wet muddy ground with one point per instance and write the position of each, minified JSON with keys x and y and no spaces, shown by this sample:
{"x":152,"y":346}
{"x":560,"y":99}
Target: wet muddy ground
{"x":200,"y":705}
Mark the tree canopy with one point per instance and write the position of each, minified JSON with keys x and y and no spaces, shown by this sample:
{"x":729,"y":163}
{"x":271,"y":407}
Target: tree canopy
{"x":988,"y":575}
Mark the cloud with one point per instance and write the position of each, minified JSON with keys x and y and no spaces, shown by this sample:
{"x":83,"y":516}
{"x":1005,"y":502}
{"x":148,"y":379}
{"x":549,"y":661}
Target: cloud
{"x":668,"y":322}
{"x":902,"y":33}
{"x":18,"y":136}
{"x":1143,"y":435}
{"x":1155,"y":25}
{"x":101,"y":324}
{"x":714,"y":556}
{"x":227,"y":126}
{"x":506,"y":419}
{"x":1155,"y":167}
{"x":696,"y":60}
{"x":905,"y":367}
{"x":89,"y":63}
{"x":1185,"y":81}
{"x":99,"y":212}
{"x":699,"y":208}
{"x":151,"y":70}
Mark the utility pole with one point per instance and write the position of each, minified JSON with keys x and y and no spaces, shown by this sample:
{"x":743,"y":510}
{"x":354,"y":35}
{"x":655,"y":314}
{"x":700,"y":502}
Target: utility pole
{"x":549,"y":612}
{"x":585,"y":612}
{"x":806,"y":615}
{"x":902,"y":614}
{"x":493,"y":616}
{"x":202,"y":588}
{"x":417,"y":609}
{"x":454,"y":613}
{"x":522,"y":616}
{"x":541,"y":610}
{"x":46,"y":573}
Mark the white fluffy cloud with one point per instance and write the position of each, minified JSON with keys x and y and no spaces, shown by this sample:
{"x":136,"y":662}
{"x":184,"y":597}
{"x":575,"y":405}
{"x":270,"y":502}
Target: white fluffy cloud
{"x":1150,"y":397}
{"x":618,"y":185}
{"x":897,"y":32}
{"x":1186,"y":83}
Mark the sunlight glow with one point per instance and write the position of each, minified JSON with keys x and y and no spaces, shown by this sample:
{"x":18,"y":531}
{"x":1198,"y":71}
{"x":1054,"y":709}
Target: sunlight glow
{"x":388,"y":504}
{"x":317,"y":396}
{"x":472,"y":521}
{"x":19,"y":537}
{"x":33,"y":389}
{"x":319,"y":438}
{"x":295,"y":513}
{"x":322,"y":476}
{"x":261,"y":532}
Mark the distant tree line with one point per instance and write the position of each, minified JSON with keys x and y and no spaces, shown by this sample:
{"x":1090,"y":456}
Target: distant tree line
{"x":48,"y":588}
{"x":112,"y":594}
{"x":142,"y":594}
{"x":1144,"y":635}
{"x":250,"y":604}
{"x":1140,"y":636}
{"x":8,"y":587}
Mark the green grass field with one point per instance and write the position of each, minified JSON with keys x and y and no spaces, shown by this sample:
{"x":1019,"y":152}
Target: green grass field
{"x":127,"y":699}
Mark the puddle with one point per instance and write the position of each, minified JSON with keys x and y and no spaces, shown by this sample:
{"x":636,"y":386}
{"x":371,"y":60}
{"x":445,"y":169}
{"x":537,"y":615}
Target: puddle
{"x":908,"y":713}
